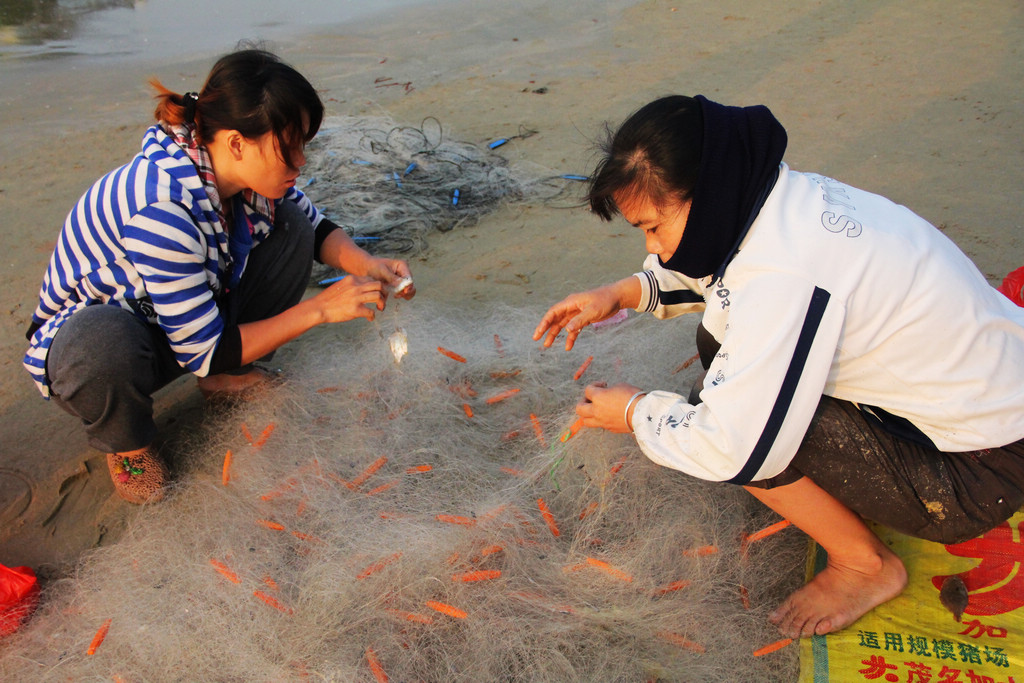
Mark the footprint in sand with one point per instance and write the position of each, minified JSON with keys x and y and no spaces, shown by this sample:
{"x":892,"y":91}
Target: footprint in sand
{"x":15,"y":495}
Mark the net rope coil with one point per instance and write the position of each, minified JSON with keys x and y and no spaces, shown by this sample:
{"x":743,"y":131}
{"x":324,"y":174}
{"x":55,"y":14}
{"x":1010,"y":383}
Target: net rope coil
{"x":390,"y":186}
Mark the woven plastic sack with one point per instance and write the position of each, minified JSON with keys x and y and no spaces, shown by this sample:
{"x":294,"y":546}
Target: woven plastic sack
{"x":19,"y":594}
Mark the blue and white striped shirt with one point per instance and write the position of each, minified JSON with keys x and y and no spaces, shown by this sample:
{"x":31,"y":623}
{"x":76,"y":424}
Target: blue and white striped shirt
{"x":147,"y":238}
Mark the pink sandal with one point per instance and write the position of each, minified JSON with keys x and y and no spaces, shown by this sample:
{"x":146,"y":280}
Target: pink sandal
{"x":138,"y":478}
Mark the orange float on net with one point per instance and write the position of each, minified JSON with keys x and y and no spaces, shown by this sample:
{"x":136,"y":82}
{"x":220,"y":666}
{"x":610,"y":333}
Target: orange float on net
{"x":451,"y":354}
{"x":446,"y":609}
{"x":375,"y":666}
{"x":272,"y":601}
{"x":583,"y":368}
{"x":224,"y":571}
{"x":548,"y":517}
{"x":501,"y":396}
{"x":265,"y":435}
{"x":377,"y":566}
{"x":225,"y":472}
{"x":772,"y":647}
{"x":478,"y":575}
{"x":97,"y":639}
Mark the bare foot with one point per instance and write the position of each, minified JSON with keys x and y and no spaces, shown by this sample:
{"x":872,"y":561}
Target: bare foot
{"x":227,"y":386}
{"x":839,"y":595}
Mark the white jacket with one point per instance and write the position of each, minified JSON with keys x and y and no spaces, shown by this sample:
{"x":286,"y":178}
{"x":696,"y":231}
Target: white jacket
{"x":840,"y":292}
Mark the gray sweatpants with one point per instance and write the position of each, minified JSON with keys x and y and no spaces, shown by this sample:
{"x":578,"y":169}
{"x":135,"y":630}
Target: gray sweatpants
{"x":104,"y":363}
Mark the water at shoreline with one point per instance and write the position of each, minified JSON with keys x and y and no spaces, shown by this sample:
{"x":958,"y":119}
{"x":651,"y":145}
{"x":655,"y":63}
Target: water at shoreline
{"x":156,"y":29}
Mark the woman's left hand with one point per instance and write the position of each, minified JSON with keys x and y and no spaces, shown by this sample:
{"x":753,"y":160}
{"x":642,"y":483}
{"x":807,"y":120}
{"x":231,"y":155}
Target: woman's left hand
{"x":391,"y":273}
{"x":603,"y":406}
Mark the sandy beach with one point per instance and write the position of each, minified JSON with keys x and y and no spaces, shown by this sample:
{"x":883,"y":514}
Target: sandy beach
{"x":919,"y":101}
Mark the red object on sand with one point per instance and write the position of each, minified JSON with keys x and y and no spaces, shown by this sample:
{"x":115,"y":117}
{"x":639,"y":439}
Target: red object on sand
{"x":19,"y":595}
{"x":1013,"y":286}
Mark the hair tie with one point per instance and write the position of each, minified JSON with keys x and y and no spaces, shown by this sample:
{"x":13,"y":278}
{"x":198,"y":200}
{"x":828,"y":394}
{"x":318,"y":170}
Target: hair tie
{"x":189,"y":101}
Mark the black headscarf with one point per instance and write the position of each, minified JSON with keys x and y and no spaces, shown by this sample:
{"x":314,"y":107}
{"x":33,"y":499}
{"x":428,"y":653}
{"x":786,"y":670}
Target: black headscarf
{"x":740,"y":157}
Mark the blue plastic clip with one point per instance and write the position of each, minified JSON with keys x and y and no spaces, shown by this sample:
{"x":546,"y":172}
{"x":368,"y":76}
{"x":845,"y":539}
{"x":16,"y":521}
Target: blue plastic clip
{"x":361,"y":162}
{"x":497,"y":143}
{"x":570,"y":176}
{"x":455,"y":197}
{"x":398,"y":181}
{"x":331,"y":280}
{"x":410,"y":168}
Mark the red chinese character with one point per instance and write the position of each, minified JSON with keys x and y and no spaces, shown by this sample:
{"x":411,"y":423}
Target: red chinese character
{"x":1000,"y":570}
{"x":918,"y":672}
{"x":877,"y":667}
{"x":979,"y":678}
{"x":983,"y":630}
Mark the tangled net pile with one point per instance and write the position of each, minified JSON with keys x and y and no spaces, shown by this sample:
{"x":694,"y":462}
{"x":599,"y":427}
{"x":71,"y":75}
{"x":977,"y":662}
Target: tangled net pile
{"x":433,"y":520}
{"x":389,"y":186}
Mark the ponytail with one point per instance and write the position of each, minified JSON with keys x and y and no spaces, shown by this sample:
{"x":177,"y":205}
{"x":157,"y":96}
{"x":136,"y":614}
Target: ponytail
{"x":172,"y":108}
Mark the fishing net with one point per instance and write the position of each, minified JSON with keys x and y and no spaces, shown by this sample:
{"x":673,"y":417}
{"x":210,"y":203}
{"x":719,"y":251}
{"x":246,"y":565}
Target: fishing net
{"x":435,"y":519}
{"x":390,"y":186}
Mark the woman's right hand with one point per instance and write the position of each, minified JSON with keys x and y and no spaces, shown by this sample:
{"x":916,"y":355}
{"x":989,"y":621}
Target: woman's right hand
{"x":352,"y":297}
{"x":578,"y":310}
{"x":349,"y":298}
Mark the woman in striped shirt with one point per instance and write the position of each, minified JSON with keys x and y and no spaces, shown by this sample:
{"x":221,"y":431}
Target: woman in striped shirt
{"x":201,"y":248}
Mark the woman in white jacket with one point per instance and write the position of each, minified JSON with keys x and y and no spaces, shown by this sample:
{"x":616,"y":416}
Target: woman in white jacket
{"x":857,"y":363}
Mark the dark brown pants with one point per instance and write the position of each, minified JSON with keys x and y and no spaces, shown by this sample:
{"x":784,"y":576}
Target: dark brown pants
{"x":906,"y":486}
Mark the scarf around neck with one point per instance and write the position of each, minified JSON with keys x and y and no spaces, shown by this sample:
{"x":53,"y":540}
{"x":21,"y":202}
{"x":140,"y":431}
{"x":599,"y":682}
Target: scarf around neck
{"x":185,"y":137}
{"x":740,"y":157}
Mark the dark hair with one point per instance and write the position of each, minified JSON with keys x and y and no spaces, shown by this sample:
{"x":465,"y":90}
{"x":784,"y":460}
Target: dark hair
{"x":655,"y":153}
{"x":251,"y":91}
